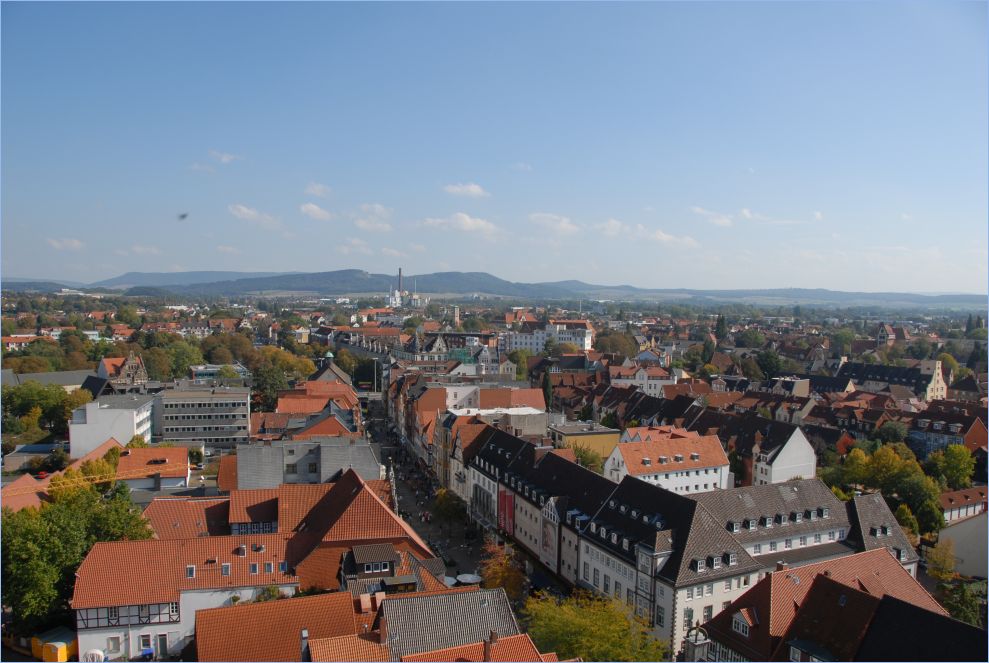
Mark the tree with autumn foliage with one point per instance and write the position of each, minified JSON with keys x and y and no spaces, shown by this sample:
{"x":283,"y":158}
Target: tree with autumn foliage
{"x":591,"y":628}
{"x":499,"y":568}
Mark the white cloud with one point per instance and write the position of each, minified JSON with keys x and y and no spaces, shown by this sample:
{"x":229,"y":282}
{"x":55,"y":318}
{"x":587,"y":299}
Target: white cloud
{"x":316,"y":189}
{"x":560,"y":225}
{"x":468,"y":189}
{"x":232,"y":250}
{"x":394,"y":253}
{"x":717,"y":218}
{"x":612,"y":228}
{"x":314,"y":211}
{"x":354,"y":245}
{"x":818,"y":216}
{"x":66,"y":244}
{"x":641,"y":232}
{"x":750,"y":215}
{"x":374,"y":218}
{"x":139,"y":250}
{"x":523,"y":166}
{"x":417,"y":248}
{"x":202,"y":167}
{"x":464,"y":223}
{"x":224,"y":157}
{"x":254,"y":216}
{"x":906,"y":217}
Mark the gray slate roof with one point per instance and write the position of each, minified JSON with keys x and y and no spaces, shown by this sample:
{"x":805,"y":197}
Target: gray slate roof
{"x":339,"y":452}
{"x":417,"y":624}
{"x":61,"y":378}
{"x":375,"y":552}
{"x":756,"y":502}
{"x":869,"y":514}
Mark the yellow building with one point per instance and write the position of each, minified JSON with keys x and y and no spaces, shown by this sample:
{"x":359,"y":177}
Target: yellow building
{"x":588,"y":435}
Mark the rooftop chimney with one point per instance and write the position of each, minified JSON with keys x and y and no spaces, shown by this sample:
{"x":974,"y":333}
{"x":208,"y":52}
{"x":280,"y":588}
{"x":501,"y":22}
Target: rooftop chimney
{"x":304,"y":645}
{"x":383,"y":630}
{"x":489,"y":645}
{"x":782,"y":566}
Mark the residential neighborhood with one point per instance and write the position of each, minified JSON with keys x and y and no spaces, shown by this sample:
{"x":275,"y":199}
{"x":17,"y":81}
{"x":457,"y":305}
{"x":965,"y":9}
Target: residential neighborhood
{"x":569,"y":331}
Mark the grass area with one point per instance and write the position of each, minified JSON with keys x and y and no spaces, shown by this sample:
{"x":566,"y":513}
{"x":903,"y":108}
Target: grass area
{"x":33,"y":436}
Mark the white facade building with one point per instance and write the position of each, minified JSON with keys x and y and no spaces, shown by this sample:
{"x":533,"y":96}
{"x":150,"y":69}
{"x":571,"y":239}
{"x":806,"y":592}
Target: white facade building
{"x":118,"y":417}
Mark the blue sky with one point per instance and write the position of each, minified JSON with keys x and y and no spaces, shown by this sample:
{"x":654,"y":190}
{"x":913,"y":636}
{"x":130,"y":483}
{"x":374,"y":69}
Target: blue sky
{"x":709,"y":145}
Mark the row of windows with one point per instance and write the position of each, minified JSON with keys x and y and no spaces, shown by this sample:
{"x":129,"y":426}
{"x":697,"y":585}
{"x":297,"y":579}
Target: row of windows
{"x":376,"y":567}
{"x":802,"y":541}
{"x":205,"y":404}
{"x":269,"y":567}
{"x":194,"y":417}
{"x":292,"y":468}
{"x":203,"y":429}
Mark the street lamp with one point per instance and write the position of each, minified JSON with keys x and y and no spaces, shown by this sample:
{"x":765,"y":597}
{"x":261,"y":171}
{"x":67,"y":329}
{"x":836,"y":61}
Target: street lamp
{"x":696,"y":644}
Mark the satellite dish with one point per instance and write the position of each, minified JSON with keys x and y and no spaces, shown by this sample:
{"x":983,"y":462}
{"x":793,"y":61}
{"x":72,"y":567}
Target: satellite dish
{"x":94,"y":656}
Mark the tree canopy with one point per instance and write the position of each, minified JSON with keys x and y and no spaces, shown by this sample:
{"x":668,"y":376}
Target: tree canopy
{"x":499,"y":568}
{"x":591,"y":628}
{"x":42,"y":549}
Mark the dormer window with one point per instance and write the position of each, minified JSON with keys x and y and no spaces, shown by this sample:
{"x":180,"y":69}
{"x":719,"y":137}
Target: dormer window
{"x":714,"y":561}
{"x":625,"y":542}
{"x":695,"y":456}
{"x":190,"y":571}
{"x":635,"y":513}
{"x":825,"y":512}
{"x":700,"y":566}
{"x":732,"y":559}
{"x":751,"y":524}
{"x":614,"y":538}
{"x":611,"y":503}
{"x":623,"y":508}
{"x":767,"y":522}
{"x":797,"y":516}
{"x":733,"y":526}
{"x":594,"y":528}
{"x":739,"y":626}
{"x":663,"y":460}
{"x":678,"y":458}
{"x":604,"y":532}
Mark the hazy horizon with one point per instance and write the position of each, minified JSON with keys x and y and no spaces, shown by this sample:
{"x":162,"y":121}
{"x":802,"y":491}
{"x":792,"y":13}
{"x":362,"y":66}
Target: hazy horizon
{"x":661,"y":145}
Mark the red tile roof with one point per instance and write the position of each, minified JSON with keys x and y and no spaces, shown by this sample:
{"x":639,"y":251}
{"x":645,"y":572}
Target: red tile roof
{"x":187,"y":518}
{"x":491,"y":398}
{"x":171,"y":462}
{"x":510,"y":648}
{"x":270,"y":631}
{"x":706,"y":448}
{"x":226,"y":475}
{"x":363,"y":647}
{"x":775,"y":599}
{"x":957,"y":498}
{"x":259,"y":505}
{"x":109,"y":574}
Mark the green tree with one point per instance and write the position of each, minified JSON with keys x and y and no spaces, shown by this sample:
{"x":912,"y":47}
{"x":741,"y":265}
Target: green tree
{"x":892,"y":431}
{"x":770,"y":363}
{"x":42,"y":549}
{"x":499,"y":568}
{"x":346,"y":361}
{"x":267,"y":593}
{"x":137,"y":442}
{"x":962,"y":603}
{"x":227,"y":372}
{"x":521,"y":360}
{"x":588,"y":458}
{"x":268,"y":381}
{"x":941,"y":561}
{"x":750,"y":338}
{"x":904,"y":516}
{"x":958,"y":466}
{"x":590,"y":628}
{"x":449,"y":508}
{"x":182,"y":355}
{"x":610,"y":420}
{"x":721,"y":328}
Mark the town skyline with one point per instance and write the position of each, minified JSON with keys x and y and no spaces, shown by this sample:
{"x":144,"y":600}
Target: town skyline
{"x":660,"y":146}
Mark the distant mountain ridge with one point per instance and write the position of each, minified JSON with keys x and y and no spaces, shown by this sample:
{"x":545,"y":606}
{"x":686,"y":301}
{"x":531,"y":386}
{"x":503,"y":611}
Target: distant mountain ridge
{"x":360,"y":282}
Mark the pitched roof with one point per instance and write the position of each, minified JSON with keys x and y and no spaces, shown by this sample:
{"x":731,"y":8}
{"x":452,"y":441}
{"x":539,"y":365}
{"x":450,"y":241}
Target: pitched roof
{"x":226,"y":475}
{"x":258,"y":505}
{"x":420,"y":623}
{"x":956,"y":498}
{"x":187,"y":518}
{"x":755,"y":502}
{"x":888,"y":640}
{"x":662,"y":453}
{"x":171,"y":462}
{"x":510,"y":648}
{"x":271,"y":631}
{"x":24,"y":492}
{"x":360,"y":647}
{"x":874,"y":526}
{"x":162,"y":564}
{"x":775,"y":599}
